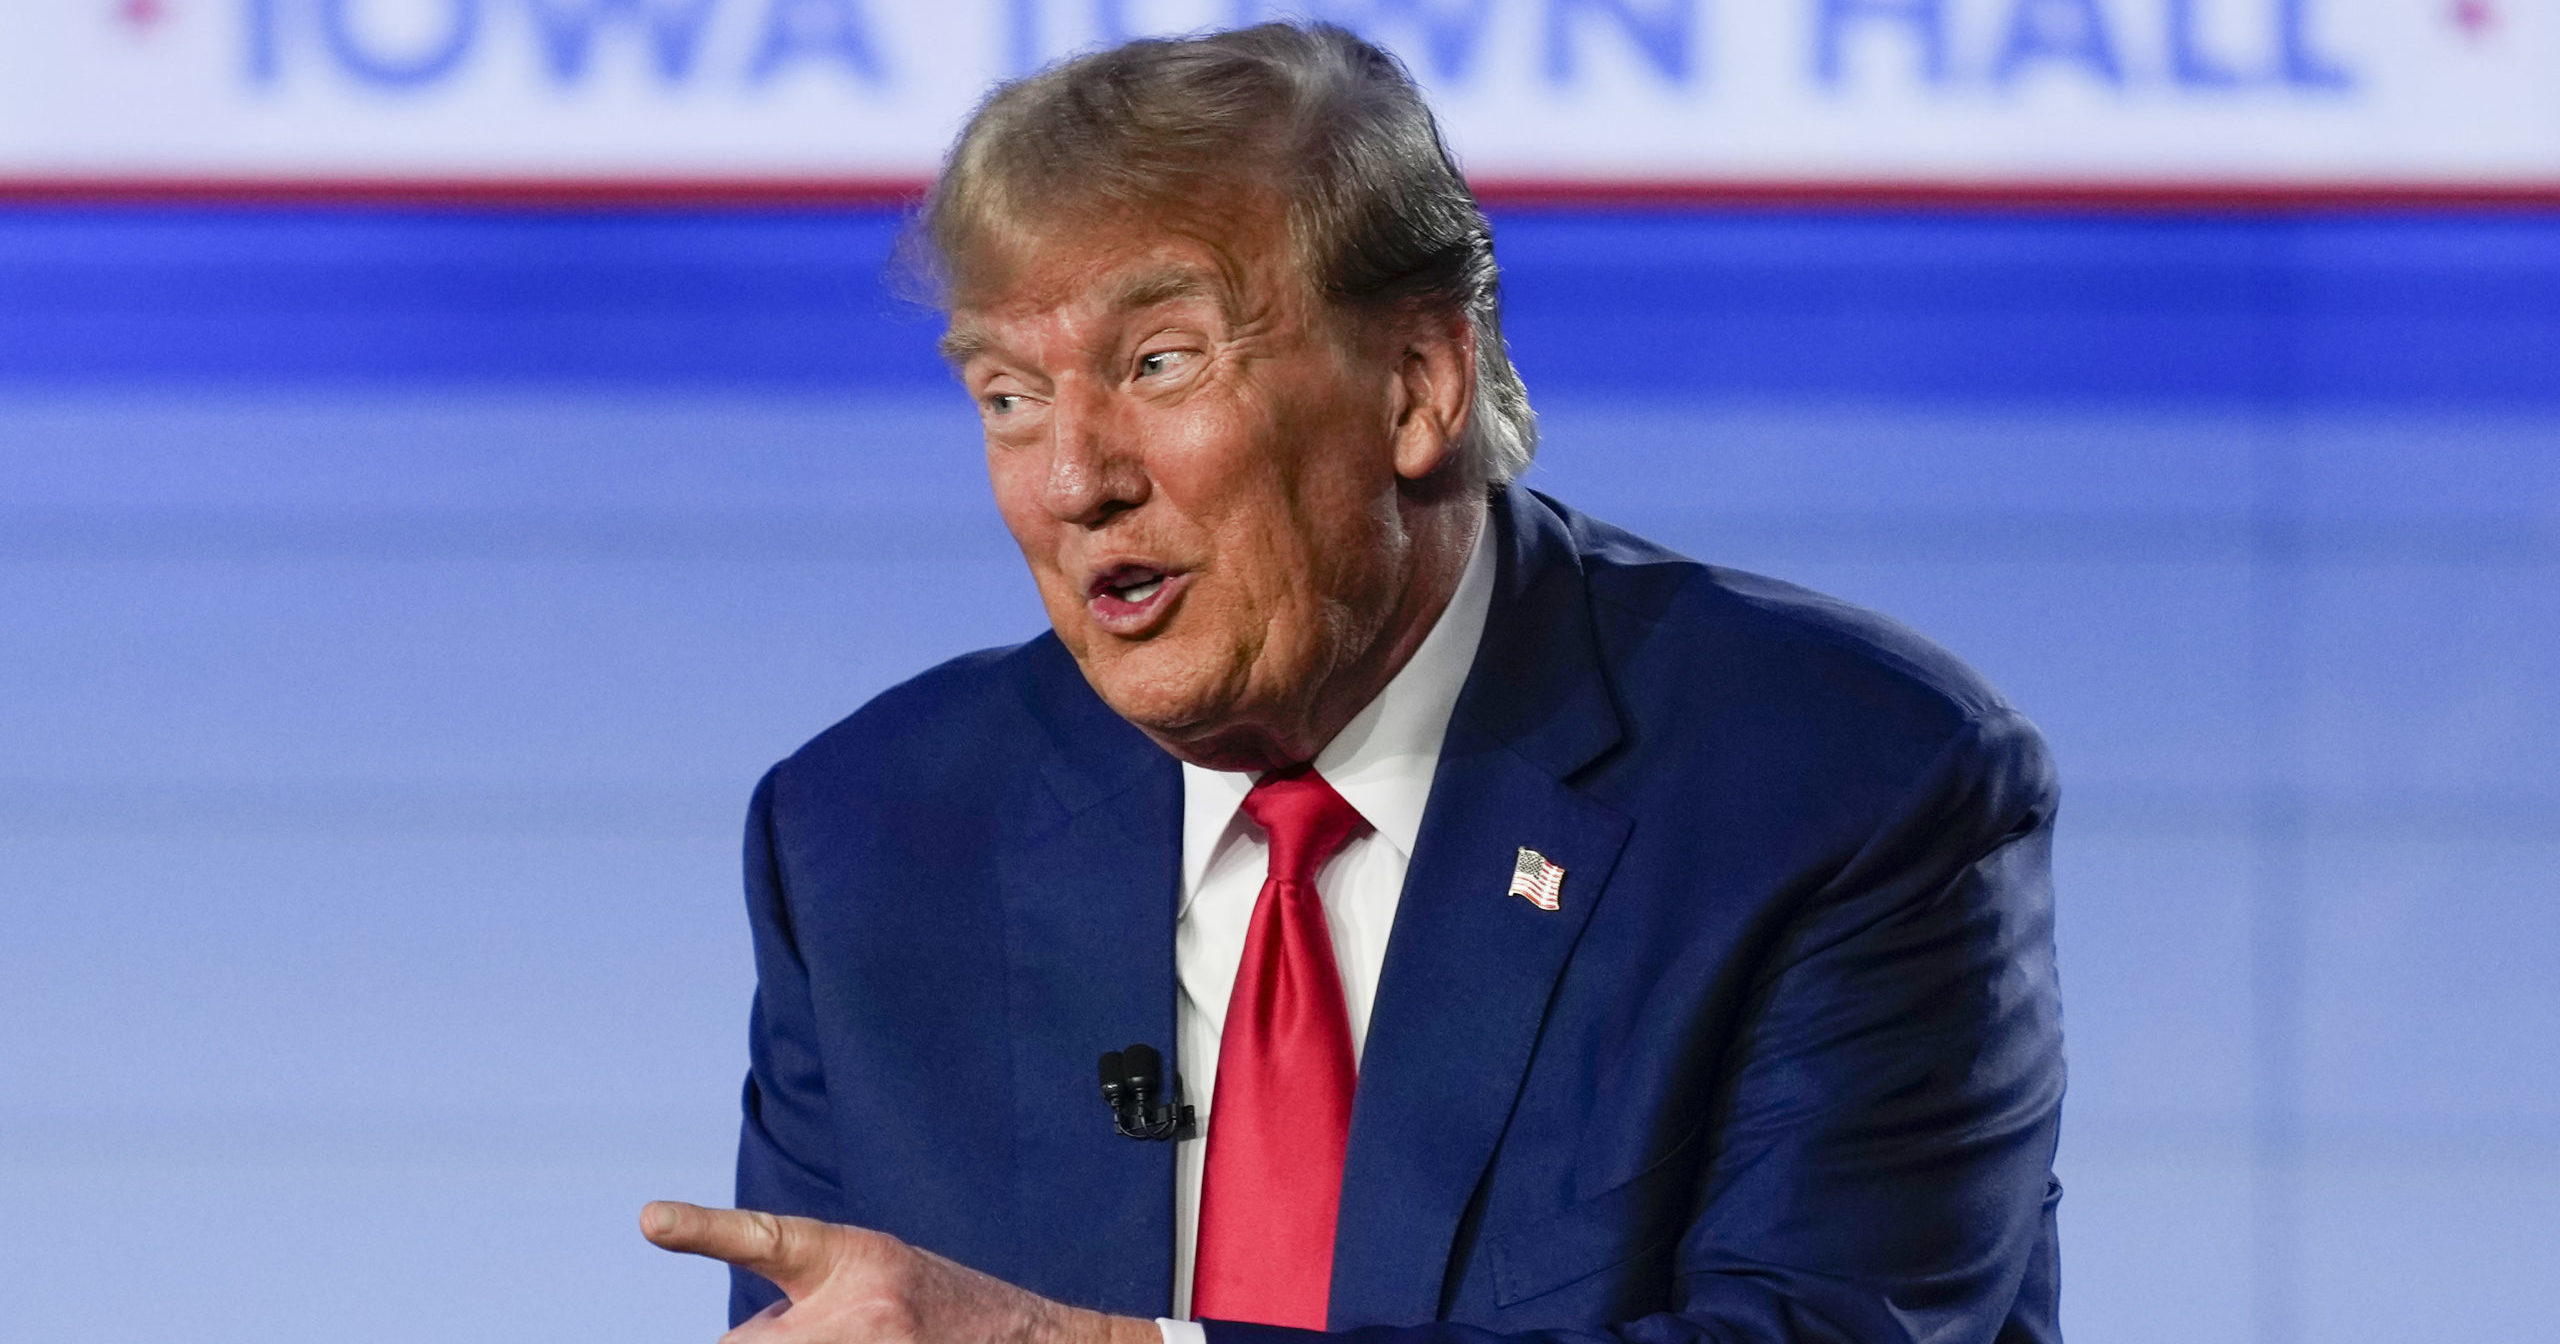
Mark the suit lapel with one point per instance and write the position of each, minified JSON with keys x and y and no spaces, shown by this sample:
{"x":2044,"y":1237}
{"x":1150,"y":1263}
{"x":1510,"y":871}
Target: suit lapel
{"x":1088,"y":911}
{"x":1470,"y":970}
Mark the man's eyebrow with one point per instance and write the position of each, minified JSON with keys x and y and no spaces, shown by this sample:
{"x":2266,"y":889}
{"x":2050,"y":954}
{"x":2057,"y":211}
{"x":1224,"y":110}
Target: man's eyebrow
{"x":962,"y":343}
{"x":1149,"y":288}
{"x":966,"y":340}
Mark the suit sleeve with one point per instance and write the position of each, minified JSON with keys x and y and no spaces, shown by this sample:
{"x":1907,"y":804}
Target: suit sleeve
{"x":1883,"y":1137}
{"x":786,"y":1155}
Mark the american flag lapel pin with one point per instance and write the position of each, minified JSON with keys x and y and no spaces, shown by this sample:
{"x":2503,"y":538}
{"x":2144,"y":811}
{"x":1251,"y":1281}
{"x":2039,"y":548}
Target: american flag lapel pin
{"x":1537,"y":880}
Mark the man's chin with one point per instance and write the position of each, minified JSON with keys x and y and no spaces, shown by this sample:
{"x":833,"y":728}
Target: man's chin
{"x":1194,"y":723}
{"x":1173,"y":719}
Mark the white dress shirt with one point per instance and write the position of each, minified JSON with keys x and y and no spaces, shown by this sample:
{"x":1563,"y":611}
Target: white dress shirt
{"x":1381,"y":763}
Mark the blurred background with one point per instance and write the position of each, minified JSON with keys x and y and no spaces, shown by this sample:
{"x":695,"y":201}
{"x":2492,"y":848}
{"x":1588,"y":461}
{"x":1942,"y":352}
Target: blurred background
{"x":449,"y":447}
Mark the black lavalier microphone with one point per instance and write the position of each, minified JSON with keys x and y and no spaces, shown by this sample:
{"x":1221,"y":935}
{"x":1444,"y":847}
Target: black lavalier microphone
{"x":1141,"y":1108}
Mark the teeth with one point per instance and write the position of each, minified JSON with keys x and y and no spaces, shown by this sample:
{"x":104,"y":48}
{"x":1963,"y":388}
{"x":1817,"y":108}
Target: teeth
{"x":1140,"y":592}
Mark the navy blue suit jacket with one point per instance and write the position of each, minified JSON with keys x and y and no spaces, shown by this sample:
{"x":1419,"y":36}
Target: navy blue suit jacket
{"x":1787,"y":1065}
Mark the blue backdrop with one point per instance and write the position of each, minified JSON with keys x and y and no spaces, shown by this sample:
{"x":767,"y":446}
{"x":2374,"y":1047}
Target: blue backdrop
{"x":396,"y":608}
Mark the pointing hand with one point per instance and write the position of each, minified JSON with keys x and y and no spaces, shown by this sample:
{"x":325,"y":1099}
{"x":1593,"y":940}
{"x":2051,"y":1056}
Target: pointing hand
{"x":848,"y":1285}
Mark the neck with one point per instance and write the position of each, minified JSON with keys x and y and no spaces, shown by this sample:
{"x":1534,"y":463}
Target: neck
{"x":1439,"y":534}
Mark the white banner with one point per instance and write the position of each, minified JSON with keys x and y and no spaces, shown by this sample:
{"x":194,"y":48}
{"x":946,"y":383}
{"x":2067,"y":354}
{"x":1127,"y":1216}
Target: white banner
{"x":2415,"y":93}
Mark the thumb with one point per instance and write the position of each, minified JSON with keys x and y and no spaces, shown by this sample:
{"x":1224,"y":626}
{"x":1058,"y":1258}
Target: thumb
{"x":794,"y":1254}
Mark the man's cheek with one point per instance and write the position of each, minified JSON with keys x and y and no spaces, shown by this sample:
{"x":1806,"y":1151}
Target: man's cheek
{"x":1066,"y":609}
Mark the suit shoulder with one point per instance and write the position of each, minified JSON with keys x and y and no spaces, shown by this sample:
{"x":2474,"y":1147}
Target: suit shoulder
{"x":943,"y":725}
{"x":1682,"y":629}
{"x":1828,"y":719}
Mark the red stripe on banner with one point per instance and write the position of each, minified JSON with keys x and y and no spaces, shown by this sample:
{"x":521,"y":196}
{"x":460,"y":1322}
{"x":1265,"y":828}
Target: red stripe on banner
{"x":676,"y":193}
{"x":2090,"y":196}
{"x":472,"y":193}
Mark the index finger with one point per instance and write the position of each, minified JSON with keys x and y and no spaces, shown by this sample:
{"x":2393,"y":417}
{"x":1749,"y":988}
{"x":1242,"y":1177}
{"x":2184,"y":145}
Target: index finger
{"x":790,"y":1252}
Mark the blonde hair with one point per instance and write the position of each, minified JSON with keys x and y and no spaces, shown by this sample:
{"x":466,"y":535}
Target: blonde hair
{"x":1330,"y":124}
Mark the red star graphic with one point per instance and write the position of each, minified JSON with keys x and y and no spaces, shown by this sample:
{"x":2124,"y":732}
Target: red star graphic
{"x":2474,"y":17}
{"x":141,"y":15}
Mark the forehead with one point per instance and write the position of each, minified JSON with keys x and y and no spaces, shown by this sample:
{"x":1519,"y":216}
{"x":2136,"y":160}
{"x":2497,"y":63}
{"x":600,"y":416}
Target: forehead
{"x":1120,"y":264}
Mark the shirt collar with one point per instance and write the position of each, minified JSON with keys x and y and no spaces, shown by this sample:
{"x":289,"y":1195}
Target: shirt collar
{"x":1383,"y":760}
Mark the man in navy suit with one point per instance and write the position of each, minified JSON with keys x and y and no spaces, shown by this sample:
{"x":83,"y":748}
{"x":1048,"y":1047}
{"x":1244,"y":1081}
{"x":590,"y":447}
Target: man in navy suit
{"x":1560,"y":938}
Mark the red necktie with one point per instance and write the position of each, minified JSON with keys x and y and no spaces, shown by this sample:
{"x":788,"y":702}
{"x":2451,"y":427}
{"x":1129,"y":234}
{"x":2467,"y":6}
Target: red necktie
{"x":1281,"y":1117}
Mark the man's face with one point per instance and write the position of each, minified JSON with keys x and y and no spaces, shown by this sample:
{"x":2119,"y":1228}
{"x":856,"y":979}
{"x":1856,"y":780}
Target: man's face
{"x":1199,"y":463}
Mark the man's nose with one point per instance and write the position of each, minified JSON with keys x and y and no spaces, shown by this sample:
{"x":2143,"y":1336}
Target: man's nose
{"x":1094,"y":473}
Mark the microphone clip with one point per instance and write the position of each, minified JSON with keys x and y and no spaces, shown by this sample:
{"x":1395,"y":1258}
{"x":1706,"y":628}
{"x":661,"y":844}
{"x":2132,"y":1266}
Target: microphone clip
{"x":1141,"y":1108}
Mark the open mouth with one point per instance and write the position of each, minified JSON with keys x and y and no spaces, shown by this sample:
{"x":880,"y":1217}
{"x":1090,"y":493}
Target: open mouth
{"x":1137,"y":590}
{"x":1126,"y":598}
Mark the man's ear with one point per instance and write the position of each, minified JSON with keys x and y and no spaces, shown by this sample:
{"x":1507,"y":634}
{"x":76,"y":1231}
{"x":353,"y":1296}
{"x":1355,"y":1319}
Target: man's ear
{"x":1436,"y":373}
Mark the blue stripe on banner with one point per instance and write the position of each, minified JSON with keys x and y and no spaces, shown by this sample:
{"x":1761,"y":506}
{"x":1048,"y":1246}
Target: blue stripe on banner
{"x":2337,"y":308}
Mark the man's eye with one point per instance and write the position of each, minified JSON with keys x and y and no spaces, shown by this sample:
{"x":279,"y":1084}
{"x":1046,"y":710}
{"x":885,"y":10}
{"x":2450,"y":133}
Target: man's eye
{"x":1161,"y":361}
{"x":1002,"y":403}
